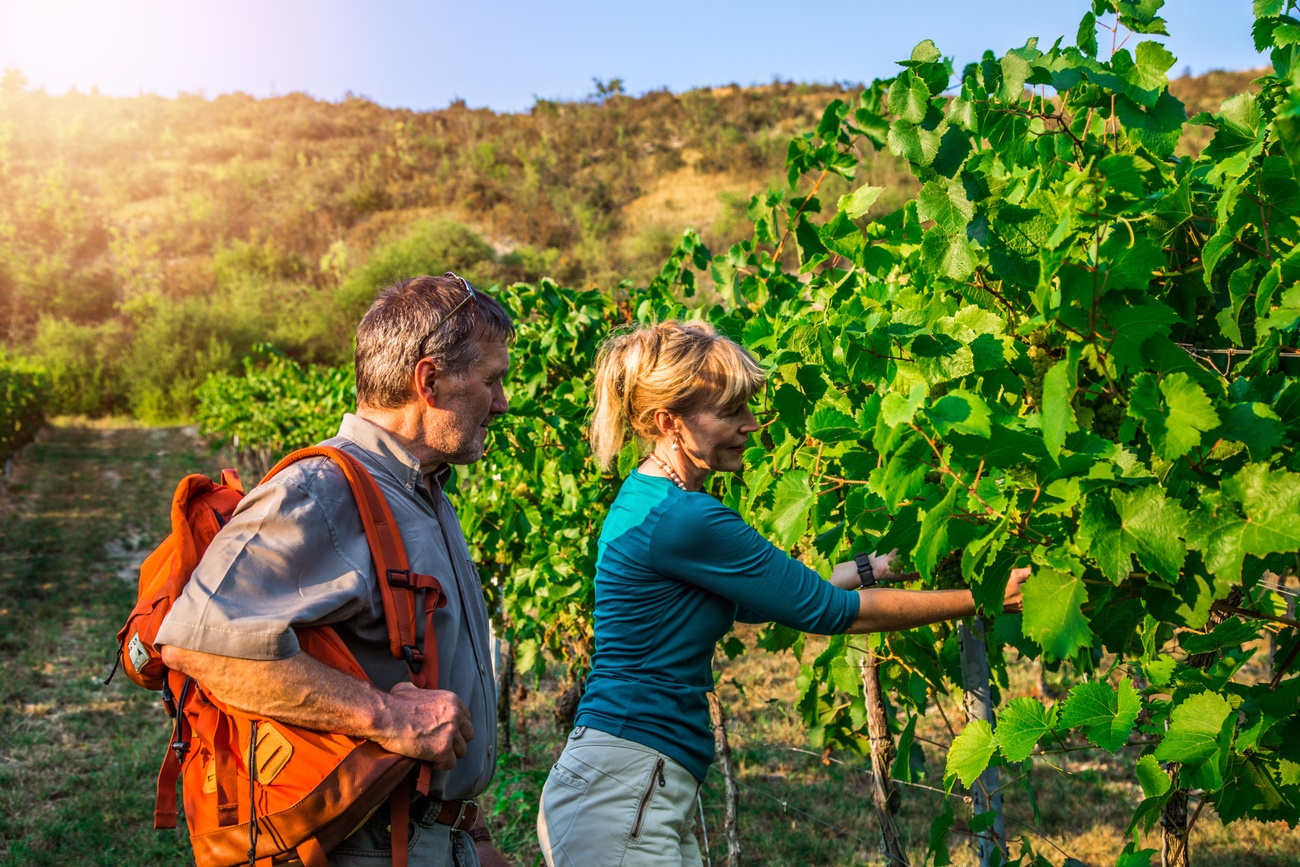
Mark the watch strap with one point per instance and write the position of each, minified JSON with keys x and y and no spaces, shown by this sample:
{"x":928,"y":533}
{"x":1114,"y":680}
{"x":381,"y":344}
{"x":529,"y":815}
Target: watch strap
{"x":865,"y":572}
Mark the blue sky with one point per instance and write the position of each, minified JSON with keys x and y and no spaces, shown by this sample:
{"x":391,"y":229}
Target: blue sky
{"x":505,"y":54}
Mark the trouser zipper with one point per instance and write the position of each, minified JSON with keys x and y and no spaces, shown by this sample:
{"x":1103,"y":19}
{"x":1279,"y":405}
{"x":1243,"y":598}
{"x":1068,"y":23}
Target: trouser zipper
{"x":658,"y":773}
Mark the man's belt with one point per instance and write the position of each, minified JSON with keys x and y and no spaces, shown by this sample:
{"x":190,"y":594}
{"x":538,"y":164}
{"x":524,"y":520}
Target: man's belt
{"x":460,"y":815}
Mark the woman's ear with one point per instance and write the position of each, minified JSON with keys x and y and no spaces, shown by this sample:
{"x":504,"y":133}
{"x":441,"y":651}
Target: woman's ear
{"x":426,"y":382}
{"x":667,"y":423}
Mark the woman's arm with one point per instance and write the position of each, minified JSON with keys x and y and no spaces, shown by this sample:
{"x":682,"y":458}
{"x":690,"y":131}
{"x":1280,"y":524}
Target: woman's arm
{"x":886,"y":609}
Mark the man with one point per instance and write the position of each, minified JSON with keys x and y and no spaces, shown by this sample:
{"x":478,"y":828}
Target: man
{"x":431,"y":356}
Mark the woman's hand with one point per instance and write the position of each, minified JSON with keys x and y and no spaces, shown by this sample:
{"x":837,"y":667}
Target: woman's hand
{"x":1012,"y":603}
{"x":880,"y":564}
{"x":845,"y":575}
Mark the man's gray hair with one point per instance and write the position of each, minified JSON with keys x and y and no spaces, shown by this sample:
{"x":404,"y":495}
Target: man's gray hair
{"x":406,"y":324}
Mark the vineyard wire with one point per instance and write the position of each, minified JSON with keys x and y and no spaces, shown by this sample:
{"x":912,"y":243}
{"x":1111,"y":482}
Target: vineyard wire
{"x":1280,"y":589}
{"x":785,"y":806}
{"x":967,"y":799}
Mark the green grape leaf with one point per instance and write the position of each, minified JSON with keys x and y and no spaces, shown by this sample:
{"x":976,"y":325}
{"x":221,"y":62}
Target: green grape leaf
{"x":1020,"y":724}
{"x":946,"y":204}
{"x":1143,"y":522}
{"x":792,"y":501}
{"x":1155,"y":782}
{"x":934,"y":535}
{"x":970,"y":753}
{"x":856,"y":204}
{"x":1174,"y":412}
{"x":940,"y":825}
{"x":1271,"y":502}
{"x":1058,"y":391}
{"x":981,"y":822}
{"x":1132,"y":856}
{"x":909,"y":98}
{"x":961,"y":411}
{"x":1087,"y":36}
{"x":1200,"y":733}
{"x":844,"y":676}
{"x":896,"y":409}
{"x":945,"y":255}
{"x":1106,"y":714}
{"x":1133,"y":325}
{"x":1255,"y":425}
{"x":1229,"y":633}
{"x":1015,"y":72}
{"x":1052,"y":615}
{"x":832,"y":426}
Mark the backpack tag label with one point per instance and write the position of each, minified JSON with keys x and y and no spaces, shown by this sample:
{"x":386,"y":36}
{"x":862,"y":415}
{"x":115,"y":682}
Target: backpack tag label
{"x":136,"y":650}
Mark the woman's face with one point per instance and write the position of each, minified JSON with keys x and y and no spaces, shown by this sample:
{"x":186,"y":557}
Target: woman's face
{"x":714,"y":440}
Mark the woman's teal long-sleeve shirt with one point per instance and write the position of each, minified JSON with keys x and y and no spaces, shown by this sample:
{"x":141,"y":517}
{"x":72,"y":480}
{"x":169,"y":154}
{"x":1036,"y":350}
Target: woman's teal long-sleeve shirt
{"x":672,"y":570}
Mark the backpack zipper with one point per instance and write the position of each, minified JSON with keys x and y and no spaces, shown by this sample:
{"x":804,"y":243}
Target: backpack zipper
{"x":645,"y":797}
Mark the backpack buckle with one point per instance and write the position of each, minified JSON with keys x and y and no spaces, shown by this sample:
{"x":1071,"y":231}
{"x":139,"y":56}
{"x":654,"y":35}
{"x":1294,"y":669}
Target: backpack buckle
{"x":414,"y":657}
{"x":400,"y":578}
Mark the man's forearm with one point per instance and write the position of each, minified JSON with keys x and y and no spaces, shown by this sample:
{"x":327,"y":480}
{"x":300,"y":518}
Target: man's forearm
{"x":298,"y":690}
{"x":428,"y":724}
{"x":886,"y":609}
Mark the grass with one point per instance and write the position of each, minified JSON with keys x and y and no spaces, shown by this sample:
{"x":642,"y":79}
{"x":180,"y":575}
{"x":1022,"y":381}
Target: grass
{"x":78,"y":759}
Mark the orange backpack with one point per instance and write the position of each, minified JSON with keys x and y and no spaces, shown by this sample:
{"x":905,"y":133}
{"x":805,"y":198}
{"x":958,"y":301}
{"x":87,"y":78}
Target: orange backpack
{"x":259,"y":791}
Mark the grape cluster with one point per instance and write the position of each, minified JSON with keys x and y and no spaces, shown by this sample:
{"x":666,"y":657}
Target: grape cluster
{"x":1041,"y":360}
{"x":947,"y":575}
{"x":1106,"y":418}
{"x":1206,"y":328}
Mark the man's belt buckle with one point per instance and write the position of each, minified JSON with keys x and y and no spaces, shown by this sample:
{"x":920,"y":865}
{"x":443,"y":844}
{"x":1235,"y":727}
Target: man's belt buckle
{"x":460,"y":814}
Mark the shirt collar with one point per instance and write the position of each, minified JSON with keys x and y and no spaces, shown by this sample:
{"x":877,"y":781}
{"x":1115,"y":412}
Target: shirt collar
{"x":394,"y":457}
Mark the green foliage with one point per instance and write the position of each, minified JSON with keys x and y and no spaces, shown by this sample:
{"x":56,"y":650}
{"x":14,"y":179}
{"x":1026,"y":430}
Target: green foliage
{"x":424,"y":247}
{"x":24,"y":393}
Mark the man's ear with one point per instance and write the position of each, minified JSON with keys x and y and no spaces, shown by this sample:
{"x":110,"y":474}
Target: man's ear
{"x":426,"y":382}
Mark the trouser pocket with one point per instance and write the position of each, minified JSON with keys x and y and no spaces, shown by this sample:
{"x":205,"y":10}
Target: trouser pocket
{"x":562,"y":799}
{"x":656,"y":779}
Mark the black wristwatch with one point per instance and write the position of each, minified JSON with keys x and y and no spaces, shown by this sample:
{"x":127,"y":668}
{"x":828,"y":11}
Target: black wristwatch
{"x":865,"y":571}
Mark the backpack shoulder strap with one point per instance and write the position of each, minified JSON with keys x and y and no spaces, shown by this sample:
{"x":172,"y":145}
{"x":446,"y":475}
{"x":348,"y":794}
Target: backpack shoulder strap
{"x":397,"y":583}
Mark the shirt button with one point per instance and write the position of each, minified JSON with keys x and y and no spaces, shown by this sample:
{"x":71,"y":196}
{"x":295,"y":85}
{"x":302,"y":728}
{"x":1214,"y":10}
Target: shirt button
{"x":409,"y":486}
{"x":481,"y":669}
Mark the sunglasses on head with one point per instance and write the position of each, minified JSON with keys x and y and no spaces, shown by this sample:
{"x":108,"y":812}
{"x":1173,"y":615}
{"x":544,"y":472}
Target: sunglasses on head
{"x":471,"y":295}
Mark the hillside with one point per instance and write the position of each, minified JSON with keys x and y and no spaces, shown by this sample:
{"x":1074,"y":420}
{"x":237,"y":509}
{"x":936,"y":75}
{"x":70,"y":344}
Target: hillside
{"x":145,"y":242}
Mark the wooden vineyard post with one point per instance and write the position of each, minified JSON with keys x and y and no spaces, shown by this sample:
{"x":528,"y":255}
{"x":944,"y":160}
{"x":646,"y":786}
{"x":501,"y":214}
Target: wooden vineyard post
{"x":975,"y":684}
{"x":884,"y":791}
{"x":505,"y":686}
{"x":729,"y":826}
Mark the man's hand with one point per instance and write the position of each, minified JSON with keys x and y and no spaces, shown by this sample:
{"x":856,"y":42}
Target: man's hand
{"x":1012,"y":603}
{"x":428,"y":724}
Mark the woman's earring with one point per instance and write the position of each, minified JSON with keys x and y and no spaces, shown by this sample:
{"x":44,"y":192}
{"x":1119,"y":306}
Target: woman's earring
{"x":676,"y":441}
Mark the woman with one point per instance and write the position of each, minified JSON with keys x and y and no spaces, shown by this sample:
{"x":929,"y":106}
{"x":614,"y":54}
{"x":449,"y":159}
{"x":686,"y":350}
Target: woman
{"x":675,"y":569}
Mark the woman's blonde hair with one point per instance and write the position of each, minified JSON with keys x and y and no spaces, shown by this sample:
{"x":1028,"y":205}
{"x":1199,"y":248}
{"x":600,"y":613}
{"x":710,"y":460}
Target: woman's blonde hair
{"x":683,"y":367}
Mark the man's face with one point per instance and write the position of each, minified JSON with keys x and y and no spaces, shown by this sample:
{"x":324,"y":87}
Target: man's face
{"x":468,"y":402}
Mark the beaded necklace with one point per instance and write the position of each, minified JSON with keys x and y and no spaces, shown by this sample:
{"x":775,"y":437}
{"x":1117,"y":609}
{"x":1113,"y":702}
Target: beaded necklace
{"x":668,"y":471}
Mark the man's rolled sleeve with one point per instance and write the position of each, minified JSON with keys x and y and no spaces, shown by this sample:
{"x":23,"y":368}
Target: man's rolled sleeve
{"x":279,"y":563}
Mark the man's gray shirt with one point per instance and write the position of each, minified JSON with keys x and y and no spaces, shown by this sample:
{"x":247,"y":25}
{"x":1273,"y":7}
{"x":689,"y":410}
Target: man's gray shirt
{"x":295,"y":554}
